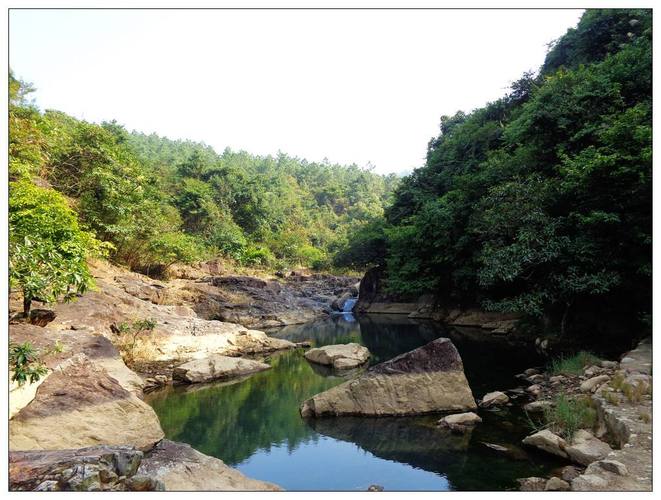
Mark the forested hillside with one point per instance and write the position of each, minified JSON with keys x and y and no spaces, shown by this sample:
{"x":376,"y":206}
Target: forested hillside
{"x":541,"y":202}
{"x":79,"y":189}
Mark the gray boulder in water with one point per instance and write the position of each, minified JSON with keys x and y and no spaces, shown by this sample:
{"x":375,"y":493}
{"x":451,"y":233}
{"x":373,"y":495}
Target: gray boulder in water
{"x":426,"y":380}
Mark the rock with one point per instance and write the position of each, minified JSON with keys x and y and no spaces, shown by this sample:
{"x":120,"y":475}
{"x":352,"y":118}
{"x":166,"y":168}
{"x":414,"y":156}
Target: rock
{"x":495,"y":447}
{"x":611,"y":365}
{"x":557,"y":484}
{"x":81,"y":405}
{"x":586,"y":448}
{"x":532,"y":484}
{"x":538,"y":406}
{"x":216,"y":367}
{"x":94,"y":468}
{"x":547,"y":441}
{"x":339,"y":356}
{"x":426,"y":380}
{"x":536,"y":379}
{"x":495,"y":398}
{"x":161,"y":379}
{"x":338,"y":304}
{"x":530,"y":372}
{"x":592,"y":370}
{"x":375,"y":487}
{"x":557,"y":379}
{"x":460,"y":422}
{"x":608,"y":465}
{"x":591,"y":384}
{"x":589,"y":482}
{"x":569,"y":472}
{"x":534,"y":390}
{"x":181,"y":468}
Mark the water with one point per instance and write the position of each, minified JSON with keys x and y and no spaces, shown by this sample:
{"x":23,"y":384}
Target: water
{"x":254,"y":424}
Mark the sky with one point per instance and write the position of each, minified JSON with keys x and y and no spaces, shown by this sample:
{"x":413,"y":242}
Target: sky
{"x":363,"y":87}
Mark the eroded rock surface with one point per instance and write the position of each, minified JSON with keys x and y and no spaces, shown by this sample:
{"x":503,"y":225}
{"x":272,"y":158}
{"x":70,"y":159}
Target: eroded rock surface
{"x":425,"y":380}
{"x":97,"y":468}
{"x":80,"y":405}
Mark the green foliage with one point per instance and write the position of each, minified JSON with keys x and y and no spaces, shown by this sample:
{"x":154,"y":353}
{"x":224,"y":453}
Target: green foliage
{"x":48,"y":250}
{"x":540,"y":202}
{"x":257,"y":256}
{"x":569,"y":414}
{"x":573,"y":365}
{"x":129,"y":335}
{"x":25,"y":363}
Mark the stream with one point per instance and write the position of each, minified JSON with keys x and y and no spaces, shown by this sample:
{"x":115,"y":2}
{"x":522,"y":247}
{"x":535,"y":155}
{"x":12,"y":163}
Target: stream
{"x":254,"y":425}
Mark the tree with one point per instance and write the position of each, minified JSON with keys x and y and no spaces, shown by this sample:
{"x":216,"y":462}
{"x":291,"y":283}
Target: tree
{"x":48,"y":250}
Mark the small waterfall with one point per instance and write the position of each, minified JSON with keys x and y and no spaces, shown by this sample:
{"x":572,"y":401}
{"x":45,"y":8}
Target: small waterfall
{"x":348,"y":305}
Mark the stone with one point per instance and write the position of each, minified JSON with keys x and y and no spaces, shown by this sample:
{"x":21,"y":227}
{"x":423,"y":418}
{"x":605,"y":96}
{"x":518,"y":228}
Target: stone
{"x":375,"y":487}
{"x":339,"y":356}
{"x":181,"y":468}
{"x":81,"y":405}
{"x":538,"y":406}
{"x":547,"y":441}
{"x":495,"y":398}
{"x":608,"y":465}
{"x":530,"y":372}
{"x":532,"y":484}
{"x":611,"y":365}
{"x":569,"y":473}
{"x":557,"y":484}
{"x":557,"y":379}
{"x":216,"y":367}
{"x":536,"y":379}
{"x":592,"y":370}
{"x":144,"y":483}
{"x":460,"y":422}
{"x":534,"y":389}
{"x":426,"y":380}
{"x":585,"y":448}
{"x":591,"y":384}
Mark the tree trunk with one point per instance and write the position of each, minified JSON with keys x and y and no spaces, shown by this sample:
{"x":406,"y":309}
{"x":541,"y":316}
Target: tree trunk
{"x":27,"y":303}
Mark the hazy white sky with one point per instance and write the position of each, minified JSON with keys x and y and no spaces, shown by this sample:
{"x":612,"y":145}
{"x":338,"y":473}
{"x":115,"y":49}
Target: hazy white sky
{"x":351,"y":86}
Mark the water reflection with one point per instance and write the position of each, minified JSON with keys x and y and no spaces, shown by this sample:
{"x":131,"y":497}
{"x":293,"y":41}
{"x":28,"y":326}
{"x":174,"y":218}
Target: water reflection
{"x":255,"y":426}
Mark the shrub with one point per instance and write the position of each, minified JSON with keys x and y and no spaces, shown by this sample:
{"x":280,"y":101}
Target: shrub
{"x":255,"y":255}
{"x":166,"y":249}
{"x":48,"y":250}
{"x":25,"y":363}
{"x":129,"y":341}
{"x":567,"y":415}
{"x":573,"y":365}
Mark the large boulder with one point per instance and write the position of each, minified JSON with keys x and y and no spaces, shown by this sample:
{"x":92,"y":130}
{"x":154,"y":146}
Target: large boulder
{"x":460,"y":422}
{"x":426,"y":380}
{"x":216,"y":367}
{"x":339,"y":356}
{"x":182,"y":468}
{"x":495,"y":398}
{"x":97,"y":468}
{"x":80,"y":405}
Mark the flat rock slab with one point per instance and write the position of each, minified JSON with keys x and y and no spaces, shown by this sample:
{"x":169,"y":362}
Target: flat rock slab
{"x":216,"y":367}
{"x":339,"y":356}
{"x":547,"y":441}
{"x":426,"y":380}
{"x":181,"y":468}
{"x":80,"y":405}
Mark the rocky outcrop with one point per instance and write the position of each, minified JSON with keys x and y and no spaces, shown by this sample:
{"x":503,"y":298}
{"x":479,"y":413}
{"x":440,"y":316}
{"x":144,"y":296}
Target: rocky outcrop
{"x":97,"y":468}
{"x":216,"y":367}
{"x":80,"y":405}
{"x":181,"y":468}
{"x":339,"y":356}
{"x":425,"y":380}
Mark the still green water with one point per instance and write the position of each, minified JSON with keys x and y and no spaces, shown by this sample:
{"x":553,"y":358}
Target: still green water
{"x":254,"y":424}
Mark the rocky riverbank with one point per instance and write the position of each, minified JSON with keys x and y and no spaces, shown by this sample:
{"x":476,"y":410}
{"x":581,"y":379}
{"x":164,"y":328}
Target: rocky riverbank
{"x":615,"y":454}
{"x":89,"y":397}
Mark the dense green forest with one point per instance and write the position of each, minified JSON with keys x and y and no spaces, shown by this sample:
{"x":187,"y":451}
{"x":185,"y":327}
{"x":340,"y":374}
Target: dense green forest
{"x":80,"y":189}
{"x":540,"y":202}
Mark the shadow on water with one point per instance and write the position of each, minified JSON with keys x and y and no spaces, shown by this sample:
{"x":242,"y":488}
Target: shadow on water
{"x":255,"y":426}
